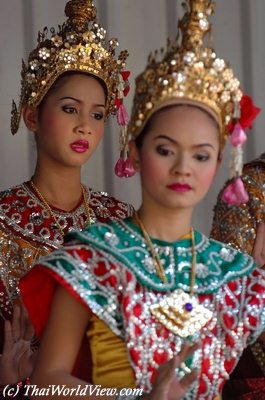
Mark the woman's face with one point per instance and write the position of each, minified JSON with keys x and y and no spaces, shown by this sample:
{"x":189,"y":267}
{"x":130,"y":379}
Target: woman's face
{"x":178,"y":158}
{"x":70,"y":122}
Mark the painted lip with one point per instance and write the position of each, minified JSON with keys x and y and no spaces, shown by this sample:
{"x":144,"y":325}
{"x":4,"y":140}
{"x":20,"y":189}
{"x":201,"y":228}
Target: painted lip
{"x":180,"y":187}
{"x":80,"y":146}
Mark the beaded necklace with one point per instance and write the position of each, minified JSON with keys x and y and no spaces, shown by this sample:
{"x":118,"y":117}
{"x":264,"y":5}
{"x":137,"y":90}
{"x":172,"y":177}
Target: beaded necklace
{"x":47,"y":206}
{"x":180,"y":312}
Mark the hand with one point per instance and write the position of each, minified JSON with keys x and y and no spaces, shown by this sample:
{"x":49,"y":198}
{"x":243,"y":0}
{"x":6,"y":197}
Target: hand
{"x":17,"y":360}
{"x":167,"y":386}
{"x":258,"y":252}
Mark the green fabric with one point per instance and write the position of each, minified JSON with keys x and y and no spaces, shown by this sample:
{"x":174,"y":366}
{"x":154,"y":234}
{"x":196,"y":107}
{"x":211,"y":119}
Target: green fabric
{"x":122,"y":242}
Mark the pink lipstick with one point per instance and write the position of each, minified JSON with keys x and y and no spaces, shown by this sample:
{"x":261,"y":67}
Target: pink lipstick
{"x":80,"y":146}
{"x":180,"y":187}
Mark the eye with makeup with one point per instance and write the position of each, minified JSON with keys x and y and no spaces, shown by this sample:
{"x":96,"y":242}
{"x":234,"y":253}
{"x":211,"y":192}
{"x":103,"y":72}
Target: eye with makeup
{"x":69,"y":109}
{"x":98,"y":115}
{"x":202,"y":157}
{"x":164,"y":150}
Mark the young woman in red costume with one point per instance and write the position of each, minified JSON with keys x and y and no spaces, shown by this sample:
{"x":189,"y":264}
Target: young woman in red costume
{"x":71,"y":84}
{"x":145,"y":286}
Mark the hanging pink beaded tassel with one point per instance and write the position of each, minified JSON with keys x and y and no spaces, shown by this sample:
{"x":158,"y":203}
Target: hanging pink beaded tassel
{"x":245,"y":113}
{"x":123,"y":167}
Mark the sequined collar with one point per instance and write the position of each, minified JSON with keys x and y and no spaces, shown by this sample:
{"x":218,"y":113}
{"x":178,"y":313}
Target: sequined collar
{"x":122,"y":242}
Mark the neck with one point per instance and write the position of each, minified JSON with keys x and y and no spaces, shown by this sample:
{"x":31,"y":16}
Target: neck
{"x":61,"y":189}
{"x":165,"y":224}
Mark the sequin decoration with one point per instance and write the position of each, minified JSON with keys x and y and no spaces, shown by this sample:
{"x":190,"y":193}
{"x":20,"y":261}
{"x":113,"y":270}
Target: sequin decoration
{"x":27,"y":231}
{"x":181,"y":313}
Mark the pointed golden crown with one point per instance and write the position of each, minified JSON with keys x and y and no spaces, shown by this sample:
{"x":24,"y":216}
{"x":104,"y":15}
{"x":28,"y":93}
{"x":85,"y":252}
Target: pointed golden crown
{"x":79,"y":45}
{"x":187,"y":71}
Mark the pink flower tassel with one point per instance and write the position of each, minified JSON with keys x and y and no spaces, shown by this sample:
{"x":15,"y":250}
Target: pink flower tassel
{"x":119,"y":167}
{"x":124,"y":168}
{"x":129,"y":170}
{"x":238,"y":136}
{"x":122,"y":115}
{"x":235,"y":193}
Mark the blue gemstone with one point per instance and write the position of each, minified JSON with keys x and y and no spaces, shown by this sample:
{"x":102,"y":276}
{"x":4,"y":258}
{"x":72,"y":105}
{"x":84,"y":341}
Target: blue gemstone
{"x":188,"y":307}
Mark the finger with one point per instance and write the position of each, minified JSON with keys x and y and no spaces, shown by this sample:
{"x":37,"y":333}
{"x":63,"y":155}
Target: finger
{"x":23,"y":321}
{"x":186,"y":351}
{"x":28,"y":330}
{"x":8,"y":337}
{"x":188,"y":380}
{"x":16,"y":323}
{"x":165,"y":374}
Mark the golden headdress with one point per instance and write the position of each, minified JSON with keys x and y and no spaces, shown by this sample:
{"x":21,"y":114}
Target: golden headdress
{"x":188,"y":71}
{"x":78,"y":45}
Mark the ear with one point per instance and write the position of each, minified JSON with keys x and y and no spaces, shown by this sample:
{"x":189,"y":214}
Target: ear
{"x":30,"y":117}
{"x":134,"y":155}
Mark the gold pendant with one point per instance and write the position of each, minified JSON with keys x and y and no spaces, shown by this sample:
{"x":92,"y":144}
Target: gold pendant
{"x":181,"y":313}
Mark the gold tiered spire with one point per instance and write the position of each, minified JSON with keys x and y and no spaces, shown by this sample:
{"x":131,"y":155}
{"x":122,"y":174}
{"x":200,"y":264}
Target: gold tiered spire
{"x":195,"y":25}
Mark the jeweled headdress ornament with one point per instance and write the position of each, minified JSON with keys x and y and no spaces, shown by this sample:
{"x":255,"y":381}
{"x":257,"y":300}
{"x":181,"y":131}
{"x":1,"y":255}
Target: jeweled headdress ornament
{"x":78,"y":45}
{"x":188,"y":71}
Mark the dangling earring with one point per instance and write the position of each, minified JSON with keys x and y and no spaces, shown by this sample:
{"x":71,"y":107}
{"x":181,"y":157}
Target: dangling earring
{"x":123,"y":167}
{"x":235,"y":193}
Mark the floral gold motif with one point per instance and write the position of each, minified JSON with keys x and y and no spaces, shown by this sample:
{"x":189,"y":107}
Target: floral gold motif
{"x":173,"y":313}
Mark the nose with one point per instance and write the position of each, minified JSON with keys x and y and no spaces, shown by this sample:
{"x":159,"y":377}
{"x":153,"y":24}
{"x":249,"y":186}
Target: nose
{"x":181,"y":165}
{"x":83,"y":126}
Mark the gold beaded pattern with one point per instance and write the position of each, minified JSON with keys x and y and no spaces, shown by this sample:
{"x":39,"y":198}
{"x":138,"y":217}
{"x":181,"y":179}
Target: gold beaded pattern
{"x":78,"y":45}
{"x":159,"y":268}
{"x":179,"y":312}
{"x":48,"y":208}
{"x":187,"y":71}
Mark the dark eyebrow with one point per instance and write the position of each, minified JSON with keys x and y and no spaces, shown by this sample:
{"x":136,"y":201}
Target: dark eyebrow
{"x":205,"y":145}
{"x":175,"y":142}
{"x":79,"y":101}
{"x":165,"y":137}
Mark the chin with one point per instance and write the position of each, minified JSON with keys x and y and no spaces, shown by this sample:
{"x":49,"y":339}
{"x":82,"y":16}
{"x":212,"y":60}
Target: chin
{"x":80,"y":160}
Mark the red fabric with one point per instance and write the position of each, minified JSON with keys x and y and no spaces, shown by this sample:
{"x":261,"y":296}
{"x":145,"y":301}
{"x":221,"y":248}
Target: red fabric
{"x":38,"y":281}
{"x":256,"y":389}
{"x":41,"y":282}
{"x":249,"y":112}
{"x":26,"y":215}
